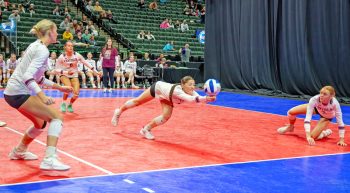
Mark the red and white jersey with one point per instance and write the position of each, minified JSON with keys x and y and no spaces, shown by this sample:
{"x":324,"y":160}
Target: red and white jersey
{"x":329,"y":111}
{"x":162,"y":91}
{"x":70,"y":63}
{"x":11,"y":64}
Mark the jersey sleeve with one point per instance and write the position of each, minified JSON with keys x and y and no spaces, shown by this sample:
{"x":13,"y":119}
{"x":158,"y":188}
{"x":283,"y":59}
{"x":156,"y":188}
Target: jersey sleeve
{"x":310,"y":109}
{"x":195,"y":98}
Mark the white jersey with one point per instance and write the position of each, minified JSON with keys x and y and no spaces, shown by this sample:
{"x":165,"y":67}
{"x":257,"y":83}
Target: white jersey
{"x":162,"y":92}
{"x":92,"y":63}
{"x":30,"y":71}
{"x":3,"y":65}
{"x":51,"y":64}
{"x":119,"y":67}
{"x":70,"y":63}
{"x":11,"y":64}
{"x":130,"y":66}
{"x":328,"y":111}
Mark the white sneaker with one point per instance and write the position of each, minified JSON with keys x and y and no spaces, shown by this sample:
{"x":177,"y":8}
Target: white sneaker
{"x":146,"y":133}
{"x":52,"y":163}
{"x":2,"y":124}
{"x":110,"y":90}
{"x":325,"y":133}
{"x":105,"y":90}
{"x":115,"y":117}
{"x":287,"y":128}
{"x":14,"y":155}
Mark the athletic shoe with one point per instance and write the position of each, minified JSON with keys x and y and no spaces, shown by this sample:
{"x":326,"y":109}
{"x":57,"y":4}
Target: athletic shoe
{"x":93,"y":86}
{"x":110,"y":90}
{"x":15,"y":155}
{"x":63,"y":107}
{"x":123,"y":86}
{"x":52,"y":163}
{"x":115,"y":117}
{"x":2,"y":124}
{"x":135,"y":87}
{"x":287,"y":128}
{"x":70,"y":108}
{"x":146,"y":133}
{"x":325,"y":133}
{"x":105,"y":90}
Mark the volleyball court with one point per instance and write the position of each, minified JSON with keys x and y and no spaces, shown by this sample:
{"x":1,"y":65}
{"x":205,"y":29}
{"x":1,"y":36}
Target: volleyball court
{"x":210,"y":146}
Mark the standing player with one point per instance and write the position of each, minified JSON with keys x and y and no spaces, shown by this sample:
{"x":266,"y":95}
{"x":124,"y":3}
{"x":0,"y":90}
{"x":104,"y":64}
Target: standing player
{"x":24,"y":94}
{"x":327,"y":106}
{"x":67,"y":67}
{"x":167,"y":94}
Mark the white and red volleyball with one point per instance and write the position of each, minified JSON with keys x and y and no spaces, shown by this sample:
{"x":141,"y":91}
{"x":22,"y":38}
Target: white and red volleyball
{"x":212,"y":87}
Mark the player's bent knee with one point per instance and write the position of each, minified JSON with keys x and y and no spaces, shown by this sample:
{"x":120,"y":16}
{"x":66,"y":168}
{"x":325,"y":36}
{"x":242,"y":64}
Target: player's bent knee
{"x":34,"y":132}
{"x":55,"y":128}
{"x":161,"y":119}
{"x":291,"y":116}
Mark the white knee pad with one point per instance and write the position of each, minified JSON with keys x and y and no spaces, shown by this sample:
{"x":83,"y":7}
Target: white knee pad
{"x":291,"y":117}
{"x":33,"y":132}
{"x":55,"y":128}
{"x":130,"y":103}
{"x":160,"y":120}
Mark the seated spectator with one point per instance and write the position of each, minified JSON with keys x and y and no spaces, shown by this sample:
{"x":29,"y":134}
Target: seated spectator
{"x":146,"y":57}
{"x":56,"y":11}
{"x":165,"y":24}
{"x":31,"y":9}
{"x":65,"y":23}
{"x":187,"y":10}
{"x":84,"y":21}
{"x":86,"y":36}
{"x":169,"y":46}
{"x":58,"y":2}
{"x":153,"y":5}
{"x":110,"y":17}
{"x":67,"y":35}
{"x":15,"y":16}
{"x":89,"y":7}
{"x":162,"y":63}
{"x":171,"y":24}
{"x":177,"y":25}
{"x":79,"y":40}
{"x":184,"y":26}
{"x":92,"y":41}
{"x":97,"y":7}
{"x":162,"y":2}
{"x":92,"y":29}
{"x":66,"y":12}
{"x":161,"y":56}
{"x":21,"y":9}
{"x":149,"y":36}
{"x":26,"y":3}
{"x":13,"y":7}
{"x":141,"y":35}
{"x":141,"y":4}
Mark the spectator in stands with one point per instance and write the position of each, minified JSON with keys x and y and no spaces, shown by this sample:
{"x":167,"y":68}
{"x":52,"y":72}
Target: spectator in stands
{"x":162,"y":63}
{"x":86,"y":36}
{"x":177,"y":25}
{"x":56,"y":11}
{"x":78,"y":29}
{"x":31,"y":10}
{"x":92,"y":41}
{"x":13,"y":7}
{"x":141,"y":4}
{"x":185,"y":53}
{"x":109,"y":57}
{"x":21,"y":9}
{"x":92,"y":28}
{"x":109,"y":16}
{"x":26,"y":3}
{"x":79,"y":40}
{"x":97,"y":7}
{"x":119,"y":73}
{"x":97,"y":73}
{"x":67,"y":35}
{"x":184,"y":26}
{"x":169,"y":46}
{"x":163,"y":2}
{"x":160,"y":58}
{"x":58,"y":2}
{"x":89,"y":7}
{"x":15,"y":16}
{"x":153,"y":5}
{"x":66,"y":12}
{"x":149,"y":36}
{"x":187,"y":10}
{"x":146,"y":57}
{"x":84,"y":21}
{"x":202,"y":15}
{"x":141,"y":35}
{"x":165,"y":24}
{"x":65,"y":23}
{"x":130,"y":71}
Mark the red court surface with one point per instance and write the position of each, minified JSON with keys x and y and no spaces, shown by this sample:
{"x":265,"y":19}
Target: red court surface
{"x":196,"y":135}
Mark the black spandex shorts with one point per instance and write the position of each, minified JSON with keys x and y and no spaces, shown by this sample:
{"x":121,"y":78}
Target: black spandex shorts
{"x":16,"y":101}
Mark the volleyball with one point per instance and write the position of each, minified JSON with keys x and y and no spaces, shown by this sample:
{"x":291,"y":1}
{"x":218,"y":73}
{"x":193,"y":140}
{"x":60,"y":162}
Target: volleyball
{"x":212,"y":87}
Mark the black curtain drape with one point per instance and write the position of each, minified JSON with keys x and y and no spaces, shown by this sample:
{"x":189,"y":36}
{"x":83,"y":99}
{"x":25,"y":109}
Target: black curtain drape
{"x":295,"y":46}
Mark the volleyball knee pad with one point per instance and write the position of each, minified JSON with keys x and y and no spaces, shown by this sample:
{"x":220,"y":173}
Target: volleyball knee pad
{"x":160,"y":120}
{"x":130,"y":103}
{"x":33,"y":132}
{"x":55,"y":128}
{"x":290,"y":116}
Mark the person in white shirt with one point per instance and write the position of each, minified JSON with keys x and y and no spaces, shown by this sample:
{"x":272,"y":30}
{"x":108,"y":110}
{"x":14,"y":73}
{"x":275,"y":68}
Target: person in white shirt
{"x":119,"y":73}
{"x":130,"y":71}
{"x":24,"y":94}
{"x":97,"y":73}
{"x":51,"y":66}
{"x":168,"y":95}
{"x":11,"y":65}
{"x":324,"y":104}
{"x":67,"y":67}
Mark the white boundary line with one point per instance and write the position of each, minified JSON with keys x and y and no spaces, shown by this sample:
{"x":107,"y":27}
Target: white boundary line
{"x":67,"y":154}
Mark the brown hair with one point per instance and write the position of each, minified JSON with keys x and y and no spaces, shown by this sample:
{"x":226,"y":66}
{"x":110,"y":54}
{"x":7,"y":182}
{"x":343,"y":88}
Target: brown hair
{"x":185,"y":79}
{"x":330,"y":89}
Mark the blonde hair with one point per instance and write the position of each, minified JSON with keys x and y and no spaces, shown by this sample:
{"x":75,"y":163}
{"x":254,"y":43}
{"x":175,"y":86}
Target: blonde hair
{"x":330,"y":89}
{"x":185,"y":79}
{"x":41,"y":28}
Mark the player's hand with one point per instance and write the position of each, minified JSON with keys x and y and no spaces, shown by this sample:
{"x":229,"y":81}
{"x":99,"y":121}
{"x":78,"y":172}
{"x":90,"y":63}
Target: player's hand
{"x":65,"y":89}
{"x":341,"y":142}
{"x":310,"y":140}
{"x":48,"y":100}
{"x":70,"y":72}
{"x":211,"y":98}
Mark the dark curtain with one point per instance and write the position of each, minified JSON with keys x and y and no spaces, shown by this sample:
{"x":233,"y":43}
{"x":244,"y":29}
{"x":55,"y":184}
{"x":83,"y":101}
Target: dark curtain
{"x":295,"y":46}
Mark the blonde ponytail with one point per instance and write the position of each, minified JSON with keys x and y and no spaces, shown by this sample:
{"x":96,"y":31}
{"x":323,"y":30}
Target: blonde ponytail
{"x":42,"y":27}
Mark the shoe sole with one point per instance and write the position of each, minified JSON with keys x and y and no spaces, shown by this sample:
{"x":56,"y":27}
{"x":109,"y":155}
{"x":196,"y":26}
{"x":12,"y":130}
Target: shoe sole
{"x":51,"y":169}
